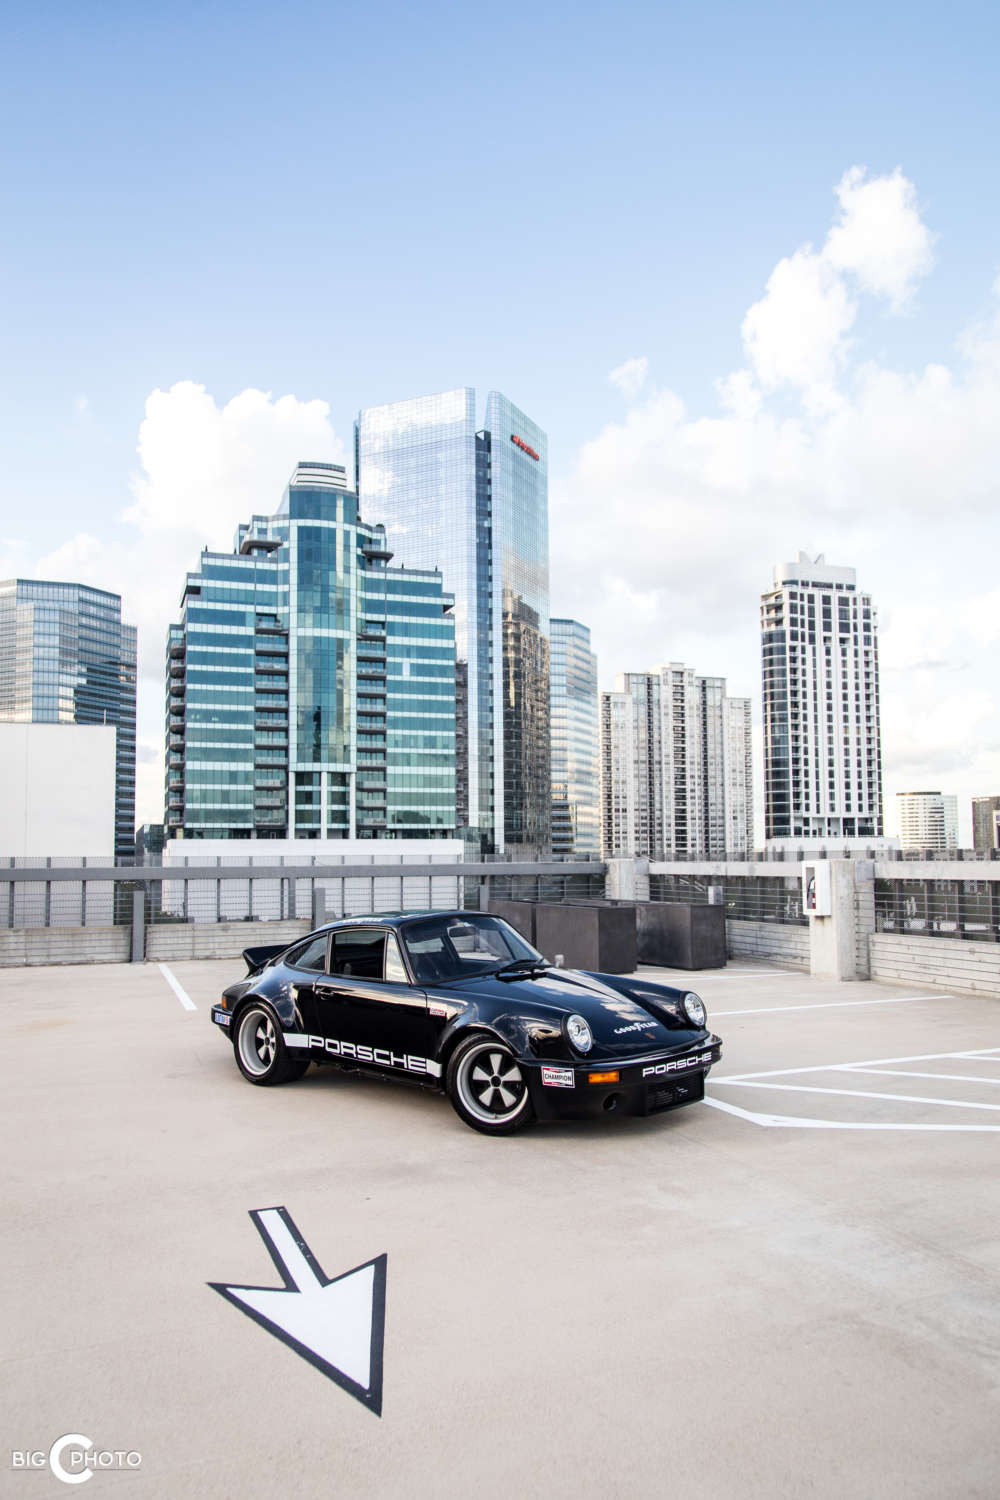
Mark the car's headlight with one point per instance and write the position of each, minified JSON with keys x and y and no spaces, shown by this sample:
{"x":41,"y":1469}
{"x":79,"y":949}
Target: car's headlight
{"x":579,"y":1033}
{"x":694,"y":1009}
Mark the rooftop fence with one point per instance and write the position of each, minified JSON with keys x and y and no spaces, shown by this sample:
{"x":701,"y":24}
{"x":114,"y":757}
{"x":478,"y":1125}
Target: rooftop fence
{"x":772,"y":897}
{"x":968,"y":909}
{"x":66,"y":911}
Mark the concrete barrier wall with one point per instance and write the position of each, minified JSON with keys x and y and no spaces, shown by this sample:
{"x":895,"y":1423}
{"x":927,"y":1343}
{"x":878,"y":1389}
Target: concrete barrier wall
{"x":179,"y":940}
{"x":943,"y":963}
{"x":777,"y":942}
{"x":64,"y":945}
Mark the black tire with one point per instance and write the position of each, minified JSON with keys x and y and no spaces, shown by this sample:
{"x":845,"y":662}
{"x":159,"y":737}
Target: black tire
{"x":486,"y":1087}
{"x":260,"y":1051}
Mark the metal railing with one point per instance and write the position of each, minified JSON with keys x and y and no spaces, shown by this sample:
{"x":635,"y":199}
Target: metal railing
{"x":773,"y":897}
{"x":967,"y":909}
{"x":75,"y":911}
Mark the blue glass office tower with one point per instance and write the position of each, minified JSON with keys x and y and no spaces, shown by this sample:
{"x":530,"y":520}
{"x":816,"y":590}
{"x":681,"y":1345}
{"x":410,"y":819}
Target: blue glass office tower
{"x":311,"y":686}
{"x":67,"y":658}
{"x":576,"y":763}
{"x":474,"y":502}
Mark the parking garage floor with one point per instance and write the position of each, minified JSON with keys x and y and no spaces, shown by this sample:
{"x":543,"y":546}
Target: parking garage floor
{"x":791,"y":1290}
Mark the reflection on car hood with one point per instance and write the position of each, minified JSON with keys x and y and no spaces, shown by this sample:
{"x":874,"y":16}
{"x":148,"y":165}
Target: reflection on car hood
{"x":620,"y":1023}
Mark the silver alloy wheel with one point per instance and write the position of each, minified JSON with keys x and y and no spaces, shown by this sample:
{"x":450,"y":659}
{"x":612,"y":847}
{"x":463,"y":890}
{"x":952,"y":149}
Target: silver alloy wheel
{"x":490,"y":1084}
{"x":258,"y":1042}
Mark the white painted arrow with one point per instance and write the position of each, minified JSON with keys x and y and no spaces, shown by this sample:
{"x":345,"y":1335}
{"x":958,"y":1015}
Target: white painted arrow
{"x":338,"y":1325}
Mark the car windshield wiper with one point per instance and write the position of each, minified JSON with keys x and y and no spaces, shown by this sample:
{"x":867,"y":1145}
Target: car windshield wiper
{"x":522,"y":968}
{"x":518,"y":968}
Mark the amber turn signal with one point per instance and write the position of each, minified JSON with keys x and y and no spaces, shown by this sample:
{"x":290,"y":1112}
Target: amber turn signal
{"x":603,"y":1077}
{"x":224,"y":1003}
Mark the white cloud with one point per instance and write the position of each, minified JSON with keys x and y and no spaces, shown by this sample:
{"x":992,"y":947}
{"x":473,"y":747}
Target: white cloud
{"x":206,"y":467}
{"x":896,"y":472}
{"x":13,"y":557}
{"x":630,"y":377}
{"x":881,"y":237}
{"x":797,"y":334}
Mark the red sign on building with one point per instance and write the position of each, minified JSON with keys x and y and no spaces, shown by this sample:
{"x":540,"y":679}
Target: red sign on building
{"x":524,"y":447}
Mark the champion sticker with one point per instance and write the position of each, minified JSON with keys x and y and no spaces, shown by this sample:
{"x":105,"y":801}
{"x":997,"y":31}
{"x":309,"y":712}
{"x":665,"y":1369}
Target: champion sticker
{"x":559,"y":1078}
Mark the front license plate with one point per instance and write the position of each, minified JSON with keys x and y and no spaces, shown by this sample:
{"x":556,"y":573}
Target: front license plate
{"x":220,"y":1018}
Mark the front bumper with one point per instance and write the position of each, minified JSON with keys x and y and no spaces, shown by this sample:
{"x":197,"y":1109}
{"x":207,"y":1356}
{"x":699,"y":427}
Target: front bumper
{"x":646,"y":1085}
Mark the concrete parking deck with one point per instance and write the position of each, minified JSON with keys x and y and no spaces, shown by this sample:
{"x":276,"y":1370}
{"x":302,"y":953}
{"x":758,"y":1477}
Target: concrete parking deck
{"x":791,"y":1291}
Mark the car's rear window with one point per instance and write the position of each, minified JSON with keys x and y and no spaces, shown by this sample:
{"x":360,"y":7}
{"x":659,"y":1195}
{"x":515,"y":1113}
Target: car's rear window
{"x":310,"y":955}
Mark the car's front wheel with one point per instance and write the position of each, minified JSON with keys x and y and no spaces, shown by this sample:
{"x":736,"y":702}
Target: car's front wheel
{"x":261,"y":1054}
{"x":487,"y":1088}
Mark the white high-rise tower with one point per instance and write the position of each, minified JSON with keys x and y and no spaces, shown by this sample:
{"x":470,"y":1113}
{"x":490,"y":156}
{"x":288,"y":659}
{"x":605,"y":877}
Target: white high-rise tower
{"x":822,"y":752}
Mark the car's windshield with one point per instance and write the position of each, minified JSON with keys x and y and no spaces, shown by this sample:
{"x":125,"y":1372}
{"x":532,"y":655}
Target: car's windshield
{"x":443,"y":948}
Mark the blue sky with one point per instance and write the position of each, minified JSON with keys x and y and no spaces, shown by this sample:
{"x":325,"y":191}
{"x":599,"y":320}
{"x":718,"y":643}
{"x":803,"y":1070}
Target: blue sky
{"x":355,"y":204}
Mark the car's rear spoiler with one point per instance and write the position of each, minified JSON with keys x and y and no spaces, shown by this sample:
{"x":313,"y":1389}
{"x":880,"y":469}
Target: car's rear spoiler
{"x":256,"y":958}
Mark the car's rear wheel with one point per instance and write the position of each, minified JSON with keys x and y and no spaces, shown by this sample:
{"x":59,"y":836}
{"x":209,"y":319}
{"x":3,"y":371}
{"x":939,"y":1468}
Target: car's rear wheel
{"x":487,"y":1088}
{"x":261,"y":1054}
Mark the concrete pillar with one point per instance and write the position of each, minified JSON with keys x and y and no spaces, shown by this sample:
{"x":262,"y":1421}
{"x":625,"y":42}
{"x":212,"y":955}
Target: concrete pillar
{"x":138,"y":926}
{"x":319,"y":907}
{"x":833,"y":938}
{"x":627,"y":880}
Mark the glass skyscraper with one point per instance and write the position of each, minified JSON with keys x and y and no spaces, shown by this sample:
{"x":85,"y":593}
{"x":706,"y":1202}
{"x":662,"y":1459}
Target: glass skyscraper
{"x":474,"y":502}
{"x":311,"y":686}
{"x":67,"y":658}
{"x":576,"y":778}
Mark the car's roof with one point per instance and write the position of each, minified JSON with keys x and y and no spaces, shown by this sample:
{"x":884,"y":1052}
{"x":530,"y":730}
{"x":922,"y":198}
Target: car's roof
{"x":396,"y":918}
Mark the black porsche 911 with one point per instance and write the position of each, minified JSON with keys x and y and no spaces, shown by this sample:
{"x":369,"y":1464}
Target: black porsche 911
{"x":459,"y":1001}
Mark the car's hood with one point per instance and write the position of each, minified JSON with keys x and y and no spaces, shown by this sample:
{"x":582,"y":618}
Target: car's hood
{"x":621,"y":1025}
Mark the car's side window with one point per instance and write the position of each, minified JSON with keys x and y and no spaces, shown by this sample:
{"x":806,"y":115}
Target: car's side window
{"x":357,"y":953}
{"x":395,"y":973}
{"x":311,"y":955}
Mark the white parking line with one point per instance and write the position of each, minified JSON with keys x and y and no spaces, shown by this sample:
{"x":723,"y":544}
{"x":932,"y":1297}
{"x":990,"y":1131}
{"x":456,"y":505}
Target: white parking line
{"x":177,"y":988}
{"x":794,"y":1122}
{"x":831,"y":1005}
{"x":910,"y":1073}
{"x":758,"y":974}
{"x":875,"y":1065}
{"x":810,"y":1088}
{"x":868,"y":1062}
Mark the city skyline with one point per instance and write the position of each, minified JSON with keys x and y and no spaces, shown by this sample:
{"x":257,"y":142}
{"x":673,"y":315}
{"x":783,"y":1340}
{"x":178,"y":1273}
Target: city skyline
{"x":796,"y":343}
{"x":932,"y":651}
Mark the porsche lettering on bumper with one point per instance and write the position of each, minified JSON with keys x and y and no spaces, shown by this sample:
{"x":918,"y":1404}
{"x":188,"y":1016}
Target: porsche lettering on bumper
{"x":679,"y":1064}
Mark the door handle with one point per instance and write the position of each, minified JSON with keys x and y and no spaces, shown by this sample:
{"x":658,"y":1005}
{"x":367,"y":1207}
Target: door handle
{"x":326,"y":989}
